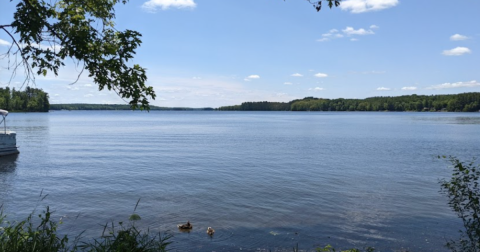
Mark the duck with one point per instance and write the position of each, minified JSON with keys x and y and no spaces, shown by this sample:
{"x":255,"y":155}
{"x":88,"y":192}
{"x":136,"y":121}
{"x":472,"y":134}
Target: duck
{"x":185,"y":226}
{"x":210,"y":231}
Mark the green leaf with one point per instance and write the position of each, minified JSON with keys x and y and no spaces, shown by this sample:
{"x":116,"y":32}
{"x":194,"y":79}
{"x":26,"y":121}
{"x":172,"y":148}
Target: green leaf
{"x":134,"y":217}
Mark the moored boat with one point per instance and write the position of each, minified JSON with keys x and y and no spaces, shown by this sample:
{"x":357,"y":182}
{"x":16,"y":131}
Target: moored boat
{"x":8,"y":139}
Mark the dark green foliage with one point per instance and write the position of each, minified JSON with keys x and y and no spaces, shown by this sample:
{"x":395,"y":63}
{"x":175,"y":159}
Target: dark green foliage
{"x":25,"y":236}
{"x":466,"y":102}
{"x":463,"y":192}
{"x":318,"y":4}
{"x":29,"y":100}
{"x":127,"y":239}
{"x":51,"y":32}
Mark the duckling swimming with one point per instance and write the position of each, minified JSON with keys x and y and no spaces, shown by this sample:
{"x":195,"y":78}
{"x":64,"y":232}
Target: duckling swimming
{"x":210,"y":231}
{"x":185,"y":226}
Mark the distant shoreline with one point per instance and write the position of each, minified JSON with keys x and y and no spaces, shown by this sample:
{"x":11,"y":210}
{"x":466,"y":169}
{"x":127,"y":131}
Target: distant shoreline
{"x":84,"y":106}
{"x":465,"y":102}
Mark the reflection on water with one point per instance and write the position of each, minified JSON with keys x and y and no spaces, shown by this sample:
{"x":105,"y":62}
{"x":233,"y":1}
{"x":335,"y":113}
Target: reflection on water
{"x":448,"y":119}
{"x":8,"y":163}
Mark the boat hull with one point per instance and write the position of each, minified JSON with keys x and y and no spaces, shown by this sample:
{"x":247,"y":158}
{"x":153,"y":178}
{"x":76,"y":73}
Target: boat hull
{"x":8,"y":143}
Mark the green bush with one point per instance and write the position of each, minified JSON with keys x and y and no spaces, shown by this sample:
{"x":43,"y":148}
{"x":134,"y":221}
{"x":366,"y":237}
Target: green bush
{"x":27,"y":236}
{"x":463,"y":192}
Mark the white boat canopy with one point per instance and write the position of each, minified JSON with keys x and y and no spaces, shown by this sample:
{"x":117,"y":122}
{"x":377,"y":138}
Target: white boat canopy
{"x":3,"y":112}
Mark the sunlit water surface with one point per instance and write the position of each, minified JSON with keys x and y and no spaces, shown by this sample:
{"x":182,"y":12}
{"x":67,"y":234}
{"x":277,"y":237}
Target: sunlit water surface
{"x":262,"y":180}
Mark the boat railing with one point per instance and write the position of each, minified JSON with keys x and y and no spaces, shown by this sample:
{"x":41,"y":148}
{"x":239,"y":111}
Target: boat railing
{"x":7,"y":132}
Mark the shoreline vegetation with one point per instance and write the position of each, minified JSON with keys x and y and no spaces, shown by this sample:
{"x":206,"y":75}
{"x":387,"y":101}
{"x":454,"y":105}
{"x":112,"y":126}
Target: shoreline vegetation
{"x":28,"y":100}
{"x":465,"y":102}
{"x":36,"y":100}
{"x":84,"y":106}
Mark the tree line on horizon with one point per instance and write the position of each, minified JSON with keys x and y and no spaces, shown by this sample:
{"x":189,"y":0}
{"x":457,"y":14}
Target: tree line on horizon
{"x":84,"y":106}
{"x":465,"y":102}
{"x":28,"y":100}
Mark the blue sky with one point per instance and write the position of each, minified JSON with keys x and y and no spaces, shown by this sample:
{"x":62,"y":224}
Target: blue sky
{"x":206,"y":53}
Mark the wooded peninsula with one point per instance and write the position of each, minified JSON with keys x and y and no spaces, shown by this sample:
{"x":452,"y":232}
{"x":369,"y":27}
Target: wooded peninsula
{"x":29,"y":100}
{"x":465,"y":102}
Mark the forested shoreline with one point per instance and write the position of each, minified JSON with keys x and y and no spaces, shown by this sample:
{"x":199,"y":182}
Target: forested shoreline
{"x":29,"y":100}
{"x":465,"y":102}
{"x":84,"y":106}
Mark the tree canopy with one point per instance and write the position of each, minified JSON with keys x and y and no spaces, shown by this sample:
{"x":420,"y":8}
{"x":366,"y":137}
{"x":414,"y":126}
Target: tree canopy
{"x":46,"y":33}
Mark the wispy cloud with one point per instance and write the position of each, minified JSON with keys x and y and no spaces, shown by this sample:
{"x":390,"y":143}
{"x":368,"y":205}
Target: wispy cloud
{"x":4,"y":43}
{"x":347,"y":32}
{"x":316,"y":89}
{"x":472,"y":83}
{"x":457,"y":51}
{"x":409,"y":88}
{"x":297,"y":75}
{"x":321,"y":75}
{"x":458,"y":37}
{"x":287,"y":83}
{"x":383,"y":89}
{"x":360,"y":6}
{"x":153,"y":5}
{"x":251,"y":77}
{"x":351,"y":31}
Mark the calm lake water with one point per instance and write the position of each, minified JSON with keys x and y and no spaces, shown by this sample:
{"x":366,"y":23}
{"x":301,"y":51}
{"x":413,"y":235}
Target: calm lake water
{"x":262,"y":180}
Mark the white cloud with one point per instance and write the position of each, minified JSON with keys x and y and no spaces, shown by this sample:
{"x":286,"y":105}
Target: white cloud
{"x":374,"y":27}
{"x":360,"y":6}
{"x":71,"y":87}
{"x":333,"y":31}
{"x":383,"y":89}
{"x":88,"y":95}
{"x":458,"y":37}
{"x":287,"y":83}
{"x":472,"y":83}
{"x":153,"y":5}
{"x":196,"y":78}
{"x":409,"y":88}
{"x":297,"y":75}
{"x":350,"y":31}
{"x":251,"y":77}
{"x":88,"y":85}
{"x":322,"y":40}
{"x":326,"y":35}
{"x":316,"y":89}
{"x":338,"y":36}
{"x":321,"y":75}
{"x":457,"y":51}
{"x":4,"y":43}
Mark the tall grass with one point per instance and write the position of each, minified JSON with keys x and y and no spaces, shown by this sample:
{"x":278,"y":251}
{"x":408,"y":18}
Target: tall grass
{"x":26,"y":235}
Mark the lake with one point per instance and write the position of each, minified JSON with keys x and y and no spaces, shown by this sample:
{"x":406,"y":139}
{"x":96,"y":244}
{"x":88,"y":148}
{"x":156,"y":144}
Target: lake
{"x":263,"y":180}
